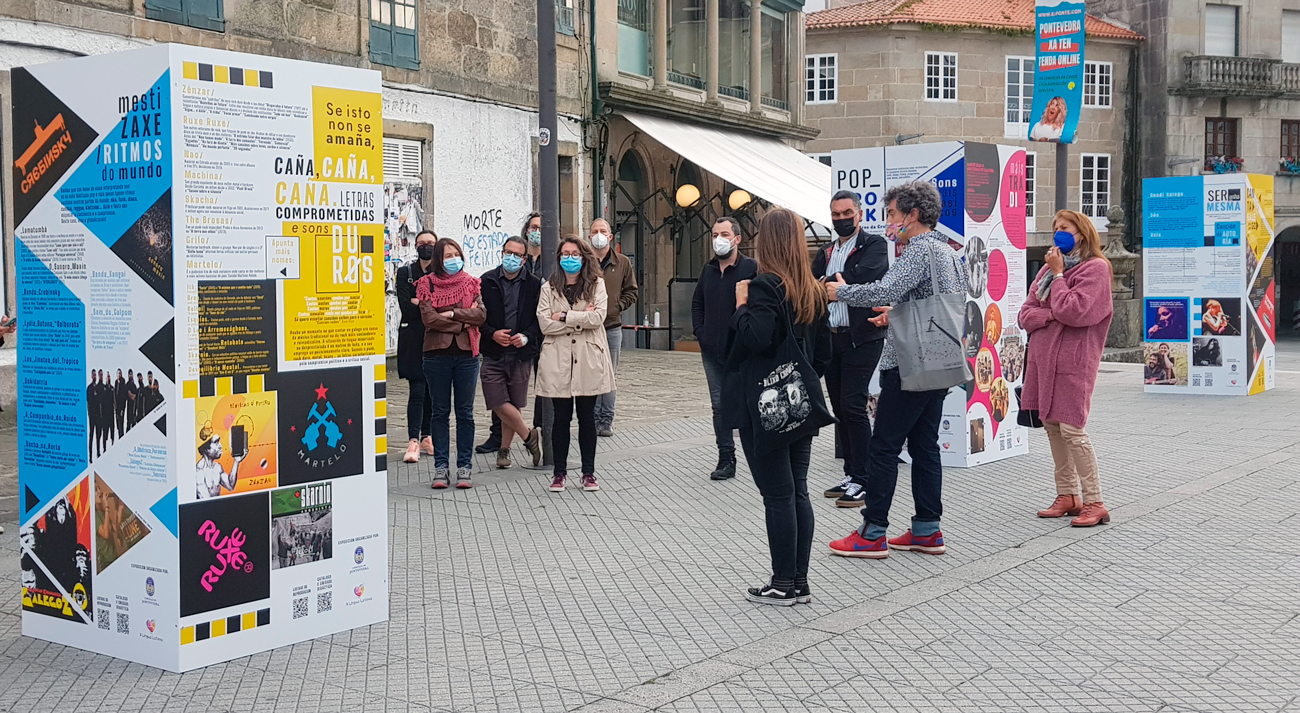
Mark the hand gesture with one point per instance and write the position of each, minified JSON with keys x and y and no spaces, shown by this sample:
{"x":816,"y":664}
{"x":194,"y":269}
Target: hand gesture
{"x":1055,"y":260}
{"x":882,"y":319}
{"x":833,"y":286}
{"x":557,"y":317}
{"x":591,"y":307}
{"x":517,"y":340}
{"x":502,"y":337}
{"x":742,"y":292}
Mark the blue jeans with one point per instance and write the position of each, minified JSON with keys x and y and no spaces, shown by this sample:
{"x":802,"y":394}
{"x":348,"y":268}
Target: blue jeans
{"x":446,"y":374}
{"x":605,"y":402}
{"x":713,"y":373}
{"x":911,"y":416}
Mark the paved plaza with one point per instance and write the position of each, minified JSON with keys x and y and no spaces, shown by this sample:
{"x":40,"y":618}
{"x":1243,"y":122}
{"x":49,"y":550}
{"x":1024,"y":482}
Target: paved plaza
{"x":510,"y":598}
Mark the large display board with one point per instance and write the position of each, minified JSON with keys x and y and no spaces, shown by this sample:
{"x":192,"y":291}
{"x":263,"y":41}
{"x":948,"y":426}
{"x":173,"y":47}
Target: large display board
{"x":983,"y":189}
{"x":1210,"y":305}
{"x":201,"y":372}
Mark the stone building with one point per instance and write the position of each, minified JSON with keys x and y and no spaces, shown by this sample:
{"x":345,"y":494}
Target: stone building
{"x":942,"y":70}
{"x":1221,"y":80}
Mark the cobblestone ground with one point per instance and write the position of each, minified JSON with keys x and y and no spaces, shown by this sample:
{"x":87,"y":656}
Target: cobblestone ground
{"x":509,"y":598}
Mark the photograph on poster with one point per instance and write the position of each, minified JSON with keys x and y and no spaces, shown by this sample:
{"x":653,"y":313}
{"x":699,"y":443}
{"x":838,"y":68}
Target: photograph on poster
{"x":1013,"y":358}
{"x":1219,"y":316}
{"x":1165,"y":364}
{"x":984,"y":369}
{"x":1051,"y":122}
{"x":146,"y":247}
{"x":974,"y":329}
{"x":56,"y":558}
{"x":1166,"y":319}
{"x":302,"y":525}
{"x":234,"y":436}
{"x":1206,"y":351}
{"x":977,"y":266}
{"x":977,"y":435}
{"x":1255,"y":344}
{"x":117,"y":528}
{"x":993,"y":325}
{"x":115,"y":405}
{"x":224,"y":548}
{"x":1000,"y":398}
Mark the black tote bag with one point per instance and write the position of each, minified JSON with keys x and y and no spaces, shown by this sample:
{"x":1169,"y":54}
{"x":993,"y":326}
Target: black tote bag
{"x":1026,"y":417}
{"x":784,"y":394}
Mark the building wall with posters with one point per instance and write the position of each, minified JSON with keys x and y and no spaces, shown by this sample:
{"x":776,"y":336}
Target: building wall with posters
{"x":878,"y":72}
{"x":1222,"y":78}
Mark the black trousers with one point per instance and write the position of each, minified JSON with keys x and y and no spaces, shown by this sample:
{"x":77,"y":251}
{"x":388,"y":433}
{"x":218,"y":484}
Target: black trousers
{"x":419,"y":410}
{"x":586,"y":432}
{"x":912,"y":417}
{"x":848,"y":378}
{"x":782,"y":479}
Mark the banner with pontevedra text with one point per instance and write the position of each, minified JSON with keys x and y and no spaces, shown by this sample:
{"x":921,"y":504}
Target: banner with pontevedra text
{"x":1058,"y":80}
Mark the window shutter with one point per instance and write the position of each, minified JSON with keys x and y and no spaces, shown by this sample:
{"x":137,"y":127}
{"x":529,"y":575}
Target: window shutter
{"x":406,"y":52}
{"x":381,"y":44}
{"x":165,"y":10}
{"x":402,"y":158}
{"x":205,"y":14}
{"x":1221,"y":30}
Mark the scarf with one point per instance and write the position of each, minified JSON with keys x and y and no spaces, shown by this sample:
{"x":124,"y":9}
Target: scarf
{"x":459,"y":290}
{"x":1045,"y":284}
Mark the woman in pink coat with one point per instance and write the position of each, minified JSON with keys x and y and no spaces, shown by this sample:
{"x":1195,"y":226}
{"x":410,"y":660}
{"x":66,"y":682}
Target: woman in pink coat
{"x":1067,"y":314}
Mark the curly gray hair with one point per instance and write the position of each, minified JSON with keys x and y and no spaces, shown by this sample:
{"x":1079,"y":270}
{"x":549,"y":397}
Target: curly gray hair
{"x":921,"y":196}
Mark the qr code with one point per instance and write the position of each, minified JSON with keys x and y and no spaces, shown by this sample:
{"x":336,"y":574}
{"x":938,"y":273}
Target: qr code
{"x":123,"y":623}
{"x":324,"y":601}
{"x":300,"y":607}
{"x":103,"y":619}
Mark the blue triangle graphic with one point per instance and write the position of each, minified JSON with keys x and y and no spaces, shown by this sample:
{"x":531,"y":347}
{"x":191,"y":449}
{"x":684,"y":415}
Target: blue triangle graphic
{"x":165,"y":511}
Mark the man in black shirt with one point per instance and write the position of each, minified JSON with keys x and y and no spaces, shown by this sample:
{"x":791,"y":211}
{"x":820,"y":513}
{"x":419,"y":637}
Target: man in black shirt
{"x":712,"y":306}
{"x":132,"y":394}
{"x":119,"y":403}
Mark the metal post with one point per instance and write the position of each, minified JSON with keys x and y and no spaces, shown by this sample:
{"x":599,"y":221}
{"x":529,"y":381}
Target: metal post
{"x":756,"y":55}
{"x":1062,"y":175}
{"x":548,"y":162}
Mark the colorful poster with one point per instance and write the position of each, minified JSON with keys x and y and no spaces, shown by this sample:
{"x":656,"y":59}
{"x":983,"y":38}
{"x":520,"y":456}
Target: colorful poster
{"x":983,"y":192}
{"x":1210,"y":317}
{"x":201,"y":306}
{"x":1058,"y":80}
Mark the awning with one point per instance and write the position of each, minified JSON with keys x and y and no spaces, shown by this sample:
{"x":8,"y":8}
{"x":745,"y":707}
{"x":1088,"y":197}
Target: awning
{"x":766,"y":168}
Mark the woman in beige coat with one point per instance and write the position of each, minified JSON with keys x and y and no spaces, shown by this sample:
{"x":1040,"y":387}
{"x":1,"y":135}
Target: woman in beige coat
{"x":574,"y":366}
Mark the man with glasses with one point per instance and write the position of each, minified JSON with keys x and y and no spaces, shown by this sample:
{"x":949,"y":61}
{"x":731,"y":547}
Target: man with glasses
{"x":511,"y":339}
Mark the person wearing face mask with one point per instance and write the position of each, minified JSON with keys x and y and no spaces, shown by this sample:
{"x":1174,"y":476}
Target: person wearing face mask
{"x":531,"y":235}
{"x":1067,"y":314}
{"x":712,"y":306}
{"x":410,"y":349}
{"x":574,"y":367}
{"x":513,"y":338}
{"x":617,"y":271}
{"x":910,"y":417}
{"x":451,"y":308}
{"x":857,"y":257}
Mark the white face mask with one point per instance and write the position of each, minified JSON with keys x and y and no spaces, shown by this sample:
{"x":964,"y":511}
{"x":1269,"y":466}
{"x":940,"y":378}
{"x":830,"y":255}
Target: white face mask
{"x":600,"y":241}
{"x":722,"y":246}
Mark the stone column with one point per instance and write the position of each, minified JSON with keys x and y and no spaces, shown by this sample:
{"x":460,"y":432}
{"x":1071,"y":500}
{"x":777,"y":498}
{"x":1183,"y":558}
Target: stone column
{"x":661,"y":44}
{"x":756,"y":55}
{"x":711,"y":72}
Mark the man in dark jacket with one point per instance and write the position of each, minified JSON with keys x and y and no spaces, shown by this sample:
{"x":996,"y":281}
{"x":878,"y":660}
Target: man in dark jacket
{"x":531,"y":234}
{"x":511,"y":340}
{"x":119,"y":403}
{"x":620,"y":286}
{"x":712,"y":306}
{"x":860,"y":257}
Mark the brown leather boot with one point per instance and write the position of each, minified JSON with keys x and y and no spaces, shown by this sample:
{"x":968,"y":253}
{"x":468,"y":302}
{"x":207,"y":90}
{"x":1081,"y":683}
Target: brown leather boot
{"x":1063,"y":505}
{"x":1092,"y":514}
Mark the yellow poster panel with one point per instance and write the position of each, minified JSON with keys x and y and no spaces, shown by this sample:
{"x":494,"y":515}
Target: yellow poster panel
{"x":349,"y":135}
{"x":1259,"y":214}
{"x":1257,"y":385}
{"x":335,"y":309}
{"x":234,"y":441}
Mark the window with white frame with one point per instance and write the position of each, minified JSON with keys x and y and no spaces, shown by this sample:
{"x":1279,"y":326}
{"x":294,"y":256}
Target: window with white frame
{"x":1020,"y":96}
{"x":1094,"y":187}
{"x":1098,"y":83}
{"x":1222,"y":38}
{"x":941,"y":76}
{"x":1031,"y":183}
{"x":402,"y":158}
{"x":821,"y":78}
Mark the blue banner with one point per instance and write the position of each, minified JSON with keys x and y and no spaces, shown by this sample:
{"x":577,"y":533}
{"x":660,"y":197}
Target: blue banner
{"x":1058,"y":79}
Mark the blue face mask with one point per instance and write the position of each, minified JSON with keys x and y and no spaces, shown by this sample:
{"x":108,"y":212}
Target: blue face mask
{"x":571,"y":264}
{"x":535,"y":237}
{"x":1064,"y":240}
{"x":511,"y":262}
{"x":452,"y":265}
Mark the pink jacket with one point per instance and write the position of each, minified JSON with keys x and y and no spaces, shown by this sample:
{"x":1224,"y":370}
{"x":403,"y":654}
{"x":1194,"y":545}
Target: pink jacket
{"x":1068,"y":334}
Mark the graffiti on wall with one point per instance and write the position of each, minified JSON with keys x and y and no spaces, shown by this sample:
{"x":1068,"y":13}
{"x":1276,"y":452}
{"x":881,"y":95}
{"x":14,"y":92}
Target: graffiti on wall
{"x":484,"y":235}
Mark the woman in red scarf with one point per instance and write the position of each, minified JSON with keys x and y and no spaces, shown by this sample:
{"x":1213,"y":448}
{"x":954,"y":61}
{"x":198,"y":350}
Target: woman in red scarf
{"x":452,"y":310}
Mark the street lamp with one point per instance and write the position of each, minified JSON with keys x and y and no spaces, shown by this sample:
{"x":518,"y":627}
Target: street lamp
{"x":901,"y":138}
{"x":687,"y":195}
{"x":739,"y":199}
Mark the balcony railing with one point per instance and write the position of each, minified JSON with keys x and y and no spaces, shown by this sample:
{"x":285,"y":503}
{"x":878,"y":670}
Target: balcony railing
{"x":1252,"y":77}
{"x":685,"y":80}
{"x":776,"y":103}
{"x":734,"y":92}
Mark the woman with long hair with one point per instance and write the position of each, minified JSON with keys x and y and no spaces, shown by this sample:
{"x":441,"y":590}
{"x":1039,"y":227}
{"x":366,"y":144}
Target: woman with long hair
{"x":784,"y":286}
{"x":574,"y":366}
{"x":1067,"y":315}
{"x":452,"y":310}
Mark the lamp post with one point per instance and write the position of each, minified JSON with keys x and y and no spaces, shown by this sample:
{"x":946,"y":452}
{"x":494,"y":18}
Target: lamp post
{"x":548,"y":158}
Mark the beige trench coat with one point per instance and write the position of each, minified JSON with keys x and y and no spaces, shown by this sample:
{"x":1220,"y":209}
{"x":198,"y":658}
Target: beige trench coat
{"x":574,"y":360}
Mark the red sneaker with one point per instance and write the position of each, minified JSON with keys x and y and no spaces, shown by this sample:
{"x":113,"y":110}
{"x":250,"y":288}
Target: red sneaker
{"x":932,"y":545}
{"x":856,"y":546}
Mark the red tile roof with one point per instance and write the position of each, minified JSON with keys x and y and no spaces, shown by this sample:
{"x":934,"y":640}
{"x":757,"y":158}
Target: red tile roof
{"x":987,"y":14}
